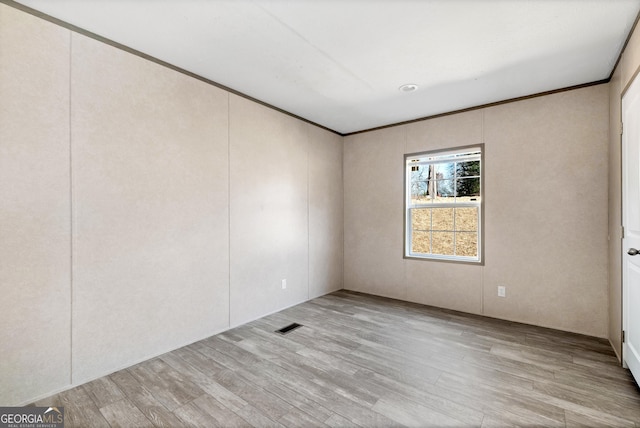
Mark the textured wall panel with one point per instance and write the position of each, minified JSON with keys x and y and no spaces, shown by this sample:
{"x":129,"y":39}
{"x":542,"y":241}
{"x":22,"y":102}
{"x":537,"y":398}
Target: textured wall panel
{"x":35,"y":225}
{"x":546,"y":210}
{"x":150,"y":176}
{"x":373,"y":216}
{"x":325,"y":212}
{"x":269,"y":218}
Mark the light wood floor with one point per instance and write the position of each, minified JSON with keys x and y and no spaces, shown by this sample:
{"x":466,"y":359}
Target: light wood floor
{"x":370,"y":362}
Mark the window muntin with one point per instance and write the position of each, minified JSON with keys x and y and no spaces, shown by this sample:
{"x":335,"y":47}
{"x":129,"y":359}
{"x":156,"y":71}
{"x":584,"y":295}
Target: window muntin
{"x":443,"y":205}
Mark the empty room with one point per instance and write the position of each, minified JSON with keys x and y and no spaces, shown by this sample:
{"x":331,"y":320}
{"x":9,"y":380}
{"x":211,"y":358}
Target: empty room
{"x":319,"y":213}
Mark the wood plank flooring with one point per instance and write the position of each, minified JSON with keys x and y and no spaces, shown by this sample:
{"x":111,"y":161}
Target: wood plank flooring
{"x":365,"y":361}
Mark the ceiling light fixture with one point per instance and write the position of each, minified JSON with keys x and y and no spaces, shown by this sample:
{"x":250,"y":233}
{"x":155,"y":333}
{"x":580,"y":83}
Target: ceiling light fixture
{"x":409,"y":87}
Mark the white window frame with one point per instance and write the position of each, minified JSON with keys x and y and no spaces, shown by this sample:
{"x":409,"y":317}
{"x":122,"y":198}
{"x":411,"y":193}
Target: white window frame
{"x":436,"y":157}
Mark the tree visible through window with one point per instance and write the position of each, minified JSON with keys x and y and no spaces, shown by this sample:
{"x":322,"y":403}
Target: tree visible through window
{"x":443,"y":205}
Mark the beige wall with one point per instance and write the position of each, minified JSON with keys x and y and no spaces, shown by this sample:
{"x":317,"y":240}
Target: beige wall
{"x":545,"y":196}
{"x":373,"y":213}
{"x":623,"y":75}
{"x":325,"y":212}
{"x":286,"y":211}
{"x":269,"y":219}
{"x":150,"y":209}
{"x":119,"y":238}
{"x":35,"y":270}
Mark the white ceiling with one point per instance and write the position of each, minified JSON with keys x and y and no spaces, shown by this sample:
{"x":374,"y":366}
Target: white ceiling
{"x":339,"y":63}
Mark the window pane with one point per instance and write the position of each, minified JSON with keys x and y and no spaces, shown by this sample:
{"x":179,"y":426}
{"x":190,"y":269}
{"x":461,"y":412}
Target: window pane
{"x":421,"y":219}
{"x":420,"y":242}
{"x":467,"y":219}
{"x":420,"y":189}
{"x":467,"y":244}
{"x":445,"y":171}
{"x":467,"y":169}
{"x":419,"y":192}
{"x":468,"y":189}
{"x":442,"y":243}
{"x":444,"y":191}
{"x":442,"y":219}
{"x":418,"y":173}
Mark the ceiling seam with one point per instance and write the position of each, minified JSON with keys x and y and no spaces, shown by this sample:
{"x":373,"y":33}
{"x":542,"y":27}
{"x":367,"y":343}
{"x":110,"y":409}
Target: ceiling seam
{"x":158,"y":61}
{"x":341,"y":66}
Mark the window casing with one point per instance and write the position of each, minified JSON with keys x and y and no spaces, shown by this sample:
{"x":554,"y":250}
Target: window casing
{"x":443,"y":205}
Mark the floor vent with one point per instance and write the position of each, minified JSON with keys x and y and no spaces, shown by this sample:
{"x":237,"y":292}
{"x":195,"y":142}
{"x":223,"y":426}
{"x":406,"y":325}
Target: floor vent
{"x":289,"y":328}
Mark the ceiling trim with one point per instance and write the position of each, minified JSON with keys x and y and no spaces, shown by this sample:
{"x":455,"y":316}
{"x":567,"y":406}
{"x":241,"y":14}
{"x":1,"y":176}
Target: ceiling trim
{"x":158,"y":61}
{"x":496,"y":103}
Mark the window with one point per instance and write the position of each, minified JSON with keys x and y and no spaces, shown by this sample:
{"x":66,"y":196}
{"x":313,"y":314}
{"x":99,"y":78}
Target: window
{"x":443,"y":205}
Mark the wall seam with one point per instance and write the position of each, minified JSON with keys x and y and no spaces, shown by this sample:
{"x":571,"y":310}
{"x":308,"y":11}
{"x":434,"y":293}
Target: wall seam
{"x":229,"y":206}
{"x":405,"y":284}
{"x":608,"y":143}
{"x":343,"y":141}
{"x":71,"y":217}
{"x":308,"y":133}
{"x":484,"y":202}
